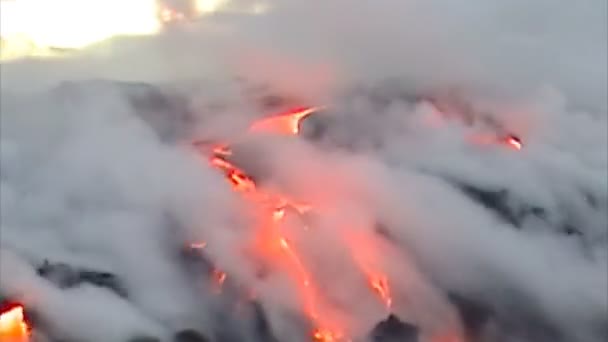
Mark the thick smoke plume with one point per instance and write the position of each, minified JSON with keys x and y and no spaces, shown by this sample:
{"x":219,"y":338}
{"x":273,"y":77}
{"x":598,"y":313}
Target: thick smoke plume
{"x":97,"y":171}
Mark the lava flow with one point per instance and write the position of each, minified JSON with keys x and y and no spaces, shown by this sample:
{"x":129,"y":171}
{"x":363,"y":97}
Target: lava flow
{"x":274,"y":248}
{"x":272,"y":244}
{"x":514,"y":142}
{"x":367,"y":259}
{"x":13,"y":327}
{"x":287,"y":123}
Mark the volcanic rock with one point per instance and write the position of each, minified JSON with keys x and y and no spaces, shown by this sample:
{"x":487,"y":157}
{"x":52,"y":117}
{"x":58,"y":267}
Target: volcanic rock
{"x":513,"y":210}
{"x":262,"y":327}
{"x":144,"y":339}
{"x":189,"y":335}
{"x":66,"y":276}
{"x":62,"y":275}
{"x":5,"y":303}
{"x":474,"y":315}
{"x":164,"y":110}
{"x":498,"y":202}
{"x":315,"y":127}
{"x":504,"y":315}
{"x":393,"y":329}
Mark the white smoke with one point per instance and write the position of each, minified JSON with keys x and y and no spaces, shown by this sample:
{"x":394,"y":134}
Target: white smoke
{"x":86,"y":179}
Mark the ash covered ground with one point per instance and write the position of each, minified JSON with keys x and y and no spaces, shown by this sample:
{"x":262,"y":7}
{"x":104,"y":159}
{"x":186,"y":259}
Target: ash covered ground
{"x":101,"y":189}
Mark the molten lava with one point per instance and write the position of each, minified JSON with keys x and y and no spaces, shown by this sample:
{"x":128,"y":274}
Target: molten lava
{"x":274,"y":247}
{"x":13,"y":327}
{"x":513,"y":142}
{"x":219,"y":277}
{"x":366,"y":258}
{"x":198,"y":245}
{"x":287,"y":123}
{"x":379,"y":283}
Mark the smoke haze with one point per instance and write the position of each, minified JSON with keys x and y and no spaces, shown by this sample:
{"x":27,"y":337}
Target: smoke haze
{"x":99,"y":174}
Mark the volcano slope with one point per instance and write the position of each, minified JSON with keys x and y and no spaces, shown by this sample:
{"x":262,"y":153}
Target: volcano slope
{"x":116,"y":228}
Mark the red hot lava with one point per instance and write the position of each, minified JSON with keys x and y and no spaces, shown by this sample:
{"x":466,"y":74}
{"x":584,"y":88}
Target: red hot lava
{"x":13,"y":327}
{"x":510,"y":141}
{"x":274,"y":247}
{"x":287,"y":123}
{"x":513,"y":142}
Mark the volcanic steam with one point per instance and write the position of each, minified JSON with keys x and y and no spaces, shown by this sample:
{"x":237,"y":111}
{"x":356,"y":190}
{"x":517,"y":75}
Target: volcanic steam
{"x":331,"y":172}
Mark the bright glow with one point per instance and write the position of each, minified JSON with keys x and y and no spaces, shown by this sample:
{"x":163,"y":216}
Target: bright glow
{"x":514,"y":142}
{"x":209,"y":6}
{"x":75,"y":24}
{"x":260,"y":8}
{"x":213,"y":6}
{"x":286,"y":123}
{"x":198,"y":245}
{"x":168,"y":15}
{"x":270,"y":243}
{"x":13,"y":326}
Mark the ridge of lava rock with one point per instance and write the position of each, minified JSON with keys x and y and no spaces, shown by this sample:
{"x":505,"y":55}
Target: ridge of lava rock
{"x":392,"y":329}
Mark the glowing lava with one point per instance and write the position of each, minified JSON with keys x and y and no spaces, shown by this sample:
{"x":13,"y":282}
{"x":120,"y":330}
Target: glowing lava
{"x":513,"y":142}
{"x":365,"y":256}
{"x":198,"y":245}
{"x":275,"y":248}
{"x":485,"y":139}
{"x":271,"y":243}
{"x":287,"y":123}
{"x":13,"y":327}
{"x":379,"y":283}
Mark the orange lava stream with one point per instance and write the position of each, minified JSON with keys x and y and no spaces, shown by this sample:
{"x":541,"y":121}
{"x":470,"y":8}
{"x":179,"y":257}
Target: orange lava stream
{"x":513,"y":142}
{"x":510,"y":141}
{"x":219,"y":277}
{"x":379,"y":282}
{"x":287,"y":123}
{"x":270,"y":241}
{"x":13,"y":327}
{"x":366,"y":258}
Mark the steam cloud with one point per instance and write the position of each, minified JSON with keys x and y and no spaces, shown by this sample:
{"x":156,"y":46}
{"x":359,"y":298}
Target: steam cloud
{"x":99,"y":174}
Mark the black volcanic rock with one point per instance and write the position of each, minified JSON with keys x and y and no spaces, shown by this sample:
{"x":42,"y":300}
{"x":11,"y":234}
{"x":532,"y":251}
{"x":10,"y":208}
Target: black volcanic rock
{"x":189,"y":335}
{"x":195,"y":260}
{"x":66,"y":276}
{"x":167,"y":113}
{"x":393,"y":329}
{"x":60,"y":274}
{"x":164,"y":110}
{"x":506,"y":207}
{"x":505,"y":315}
{"x":144,"y":339}
{"x":474,"y":315}
{"x":316,"y":126}
{"x":497,"y":201}
{"x":5,"y":304}
{"x":262,"y":327}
